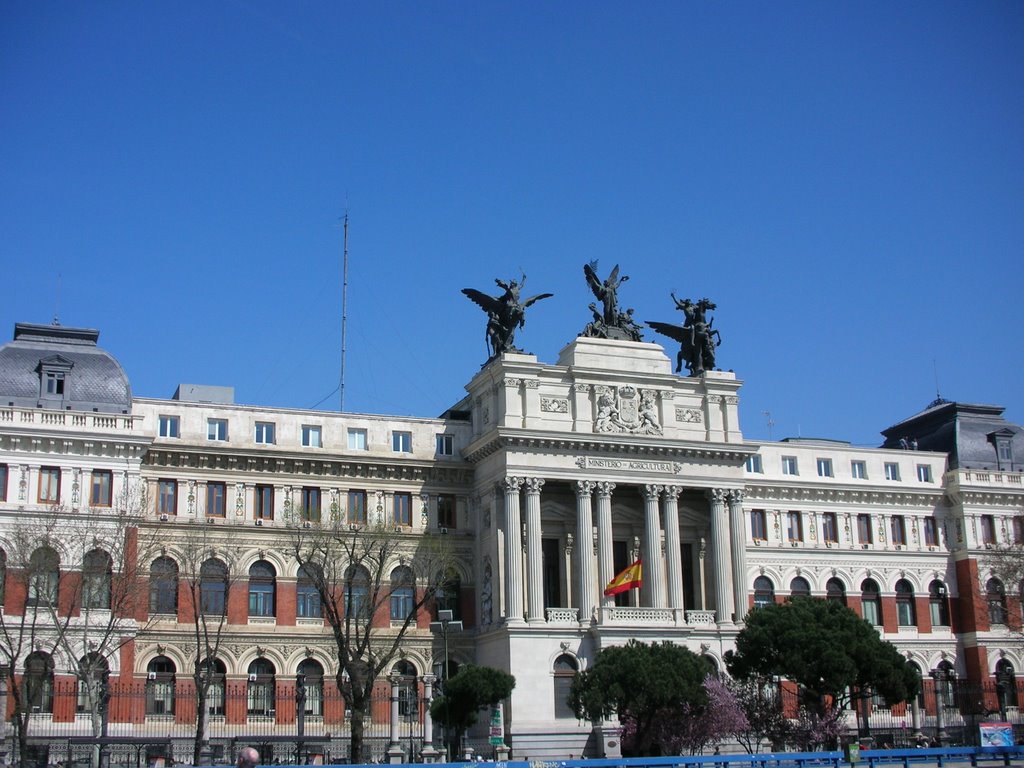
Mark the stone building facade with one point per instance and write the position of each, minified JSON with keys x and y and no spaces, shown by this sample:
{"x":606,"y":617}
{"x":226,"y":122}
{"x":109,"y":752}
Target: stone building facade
{"x":547,"y":479}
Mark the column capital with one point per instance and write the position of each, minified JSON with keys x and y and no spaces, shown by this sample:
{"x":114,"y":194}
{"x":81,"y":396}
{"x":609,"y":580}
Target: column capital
{"x":673,"y":491}
{"x":736,"y":496}
{"x":534,"y":484}
{"x":512,"y":484}
{"x":605,"y":489}
{"x":652,"y":491}
{"x":584,"y":488}
{"x":716,"y":495}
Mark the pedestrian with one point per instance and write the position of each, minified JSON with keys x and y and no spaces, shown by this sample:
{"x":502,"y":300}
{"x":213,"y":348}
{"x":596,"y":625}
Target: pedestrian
{"x":248,"y":757}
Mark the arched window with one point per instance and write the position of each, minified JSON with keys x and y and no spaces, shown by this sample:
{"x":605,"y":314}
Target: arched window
{"x":163,"y":586}
{"x":92,"y":672}
{"x":313,"y":686}
{"x":307,"y":594}
{"x":996,"y":596}
{"x":938,"y":604}
{"x":357,"y":590}
{"x":764,"y":592}
{"x":563,"y":672}
{"x":1006,"y":684}
{"x":213,"y":673}
{"x":799,"y":587}
{"x":835,"y":591}
{"x":213,"y":587}
{"x":38,"y":682}
{"x":97,"y":570}
{"x":260,"y":690}
{"x":402,"y":600}
{"x":262,"y":583}
{"x":906,"y":612}
{"x":160,"y":686}
{"x":408,"y":692}
{"x":871,"y":602}
{"x":43,"y":577}
{"x":447,"y":592}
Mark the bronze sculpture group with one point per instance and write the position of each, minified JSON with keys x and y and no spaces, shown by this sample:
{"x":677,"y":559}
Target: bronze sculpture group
{"x":696,"y":336}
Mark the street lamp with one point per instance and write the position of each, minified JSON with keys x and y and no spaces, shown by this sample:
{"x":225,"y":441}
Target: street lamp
{"x":446,"y":621}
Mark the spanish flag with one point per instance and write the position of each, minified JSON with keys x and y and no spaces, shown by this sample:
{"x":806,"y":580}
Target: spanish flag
{"x":630,"y":578}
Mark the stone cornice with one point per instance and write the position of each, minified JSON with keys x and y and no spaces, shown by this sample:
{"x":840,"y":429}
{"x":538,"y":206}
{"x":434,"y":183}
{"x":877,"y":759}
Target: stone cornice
{"x":372,"y":468}
{"x":105,"y":445}
{"x":758,"y":494}
{"x":988,"y":498}
{"x":605,"y":443}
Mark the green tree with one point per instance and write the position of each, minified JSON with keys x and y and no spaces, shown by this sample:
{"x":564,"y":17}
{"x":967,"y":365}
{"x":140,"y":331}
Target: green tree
{"x":824,"y":647}
{"x":644,"y":685}
{"x":467,"y":692}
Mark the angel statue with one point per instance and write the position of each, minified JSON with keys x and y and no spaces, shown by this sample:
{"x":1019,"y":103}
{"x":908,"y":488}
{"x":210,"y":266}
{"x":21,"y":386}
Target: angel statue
{"x":609,"y":322}
{"x":505,"y":313}
{"x":696,"y":337}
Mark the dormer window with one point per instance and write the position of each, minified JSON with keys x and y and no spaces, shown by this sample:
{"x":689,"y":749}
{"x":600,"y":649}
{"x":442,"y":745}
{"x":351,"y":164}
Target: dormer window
{"x":54,"y":373}
{"x":1003,"y":441}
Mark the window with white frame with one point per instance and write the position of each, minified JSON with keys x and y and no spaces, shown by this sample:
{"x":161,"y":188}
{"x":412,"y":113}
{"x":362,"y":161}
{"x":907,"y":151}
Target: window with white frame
{"x":898,"y":527}
{"x":311,"y":436}
{"x":401,"y":442}
{"x":924,"y":473}
{"x":356,"y":439}
{"x":824,"y":467}
{"x":445,"y":445}
{"x":789,"y":466}
{"x":217,"y":429}
{"x":754,"y":464}
{"x":794,"y":526}
{"x":859,"y":470}
{"x":892,"y":470}
{"x":264,"y":433}
{"x":169,"y":426}
{"x":829,"y":528}
{"x":758,"y":525}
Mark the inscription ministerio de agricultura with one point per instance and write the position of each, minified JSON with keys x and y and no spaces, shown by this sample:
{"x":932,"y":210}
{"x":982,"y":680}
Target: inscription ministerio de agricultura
{"x":632,"y":465}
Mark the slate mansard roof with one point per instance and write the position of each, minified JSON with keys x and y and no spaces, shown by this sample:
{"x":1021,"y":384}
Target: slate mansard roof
{"x":92,"y":379}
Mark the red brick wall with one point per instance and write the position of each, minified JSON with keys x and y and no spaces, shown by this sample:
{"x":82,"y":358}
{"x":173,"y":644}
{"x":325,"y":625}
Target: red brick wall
{"x":287,"y":597}
{"x":238,"y":603}
{"x":972,"y":608}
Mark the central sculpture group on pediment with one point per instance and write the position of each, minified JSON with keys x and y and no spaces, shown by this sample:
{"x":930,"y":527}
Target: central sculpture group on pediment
{"x":696,"y":336}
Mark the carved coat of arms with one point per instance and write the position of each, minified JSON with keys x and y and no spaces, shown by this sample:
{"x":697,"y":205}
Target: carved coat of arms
{"x":626,"y":410}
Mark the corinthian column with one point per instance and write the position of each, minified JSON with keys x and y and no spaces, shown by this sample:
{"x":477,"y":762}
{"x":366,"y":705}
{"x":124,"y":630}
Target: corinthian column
{"x":738,"y":536}
{"x":513,"y":552}
{"x":584,"y":550}
{"x":534,"y":557}
{"x":673,"y":555}
{"x":605,"y":557}
{"x":653,"y":578}
{"x":720,"y":547}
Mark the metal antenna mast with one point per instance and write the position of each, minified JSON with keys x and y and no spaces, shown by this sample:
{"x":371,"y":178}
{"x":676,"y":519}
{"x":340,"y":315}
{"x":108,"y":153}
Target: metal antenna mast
{"x":344,"y":315}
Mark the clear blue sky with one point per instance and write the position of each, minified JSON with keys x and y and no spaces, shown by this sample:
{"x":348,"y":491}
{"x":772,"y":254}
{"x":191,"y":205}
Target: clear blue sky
{"x":845,"y":180}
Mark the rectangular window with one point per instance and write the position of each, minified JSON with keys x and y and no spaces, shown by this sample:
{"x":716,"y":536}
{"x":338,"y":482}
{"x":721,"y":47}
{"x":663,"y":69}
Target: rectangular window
{"x":217,"y":429}
{"x":924,"y":473}
{"x":49,"y":485}
{"x":872,"y":611}
{"x":795,"y":526}
{"x":824,"y":467}
{"x":264,"y":502}
{"x":169,"y":426}
{"x":892,"y":470}
{"x":931,"y":532}
{"x":829,"y":528}
{"x":101,"y":490}
{"x":264,"y":433}
{"x":3,"y":482}
{"x":864,"y":534}
{"x":859,"y":470}
{"x":311,"y":504}
{"x":167,"y":497}
{"x":403,"y":509}
{"x":898,"y":526}
{"x":357,"y":506}
{"x":445,"y":445}
{"x":758,"y":525}
{"x":401,"y":442}
{"x":55,"y":383}
{"x":789,"y":465}
{"x":311,"y":437}
{"x":446,"y":511}
{"x":988,"y":529}
{"x":754,"y":464}
{"x":357,"y":439}
{"x":216,"y":499}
